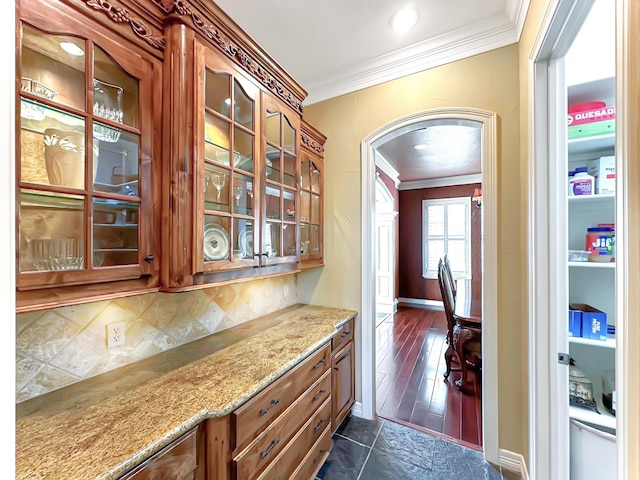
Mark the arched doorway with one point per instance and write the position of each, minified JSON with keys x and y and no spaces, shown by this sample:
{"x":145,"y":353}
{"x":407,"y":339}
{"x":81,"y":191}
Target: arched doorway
{"x":490,"y":332}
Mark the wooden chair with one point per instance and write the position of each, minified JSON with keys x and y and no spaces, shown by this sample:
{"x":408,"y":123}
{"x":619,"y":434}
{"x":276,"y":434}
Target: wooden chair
{"x":464,"y":339}
{"x":454,"y":285}
{"x":448,"y":301}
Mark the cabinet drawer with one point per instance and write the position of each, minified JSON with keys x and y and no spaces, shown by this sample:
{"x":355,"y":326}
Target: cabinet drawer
{"x":315,"y":458}
{"x":344,"y":335}
{"x":259,"y":454}
{"x":177,"y":460}
{"x":293,"y":454}
{"x":250,"y":419}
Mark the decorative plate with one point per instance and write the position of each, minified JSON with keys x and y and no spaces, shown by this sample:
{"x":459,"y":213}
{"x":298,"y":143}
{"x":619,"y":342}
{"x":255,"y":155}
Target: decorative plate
{"x":216,"y":243}
{"x":245,"y":242}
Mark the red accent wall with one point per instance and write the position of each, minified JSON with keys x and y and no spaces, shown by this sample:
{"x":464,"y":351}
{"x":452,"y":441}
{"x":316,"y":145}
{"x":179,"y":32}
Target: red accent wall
{"x":411,"y":283}
{"x":391,"y":186}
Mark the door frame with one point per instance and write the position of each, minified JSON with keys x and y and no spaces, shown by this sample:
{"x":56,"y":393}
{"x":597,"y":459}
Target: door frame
{"x":548,"y":404}
{"x":490,"y":264}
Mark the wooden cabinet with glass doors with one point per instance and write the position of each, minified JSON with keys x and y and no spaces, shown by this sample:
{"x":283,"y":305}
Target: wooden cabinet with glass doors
{"x":246,"y":165}
{"x":228,"y":190}
{"x":84,"y":126}
{"x":280,"y":243}
{"x":311,"y":197}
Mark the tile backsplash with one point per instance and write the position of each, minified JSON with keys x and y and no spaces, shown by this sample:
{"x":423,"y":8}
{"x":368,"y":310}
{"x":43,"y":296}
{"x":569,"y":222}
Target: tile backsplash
{"x":61,"y":346}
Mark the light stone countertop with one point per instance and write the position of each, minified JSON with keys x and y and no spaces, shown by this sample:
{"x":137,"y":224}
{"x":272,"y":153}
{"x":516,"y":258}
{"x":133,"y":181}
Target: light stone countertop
{"x":104,"y":426}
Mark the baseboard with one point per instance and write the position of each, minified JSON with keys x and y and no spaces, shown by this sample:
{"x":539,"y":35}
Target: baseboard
{"x":387,"y":307}
{"x":421,"y":302}
{"x":356,"y":410}
{"x":513,"y":462}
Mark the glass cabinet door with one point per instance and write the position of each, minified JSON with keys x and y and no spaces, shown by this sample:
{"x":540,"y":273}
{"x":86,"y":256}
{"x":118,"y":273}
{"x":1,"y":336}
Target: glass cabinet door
{"x":227,"y":198}
{"x":310,"y":207}
{"x":281,"y":170}
{"x":79,"y":154}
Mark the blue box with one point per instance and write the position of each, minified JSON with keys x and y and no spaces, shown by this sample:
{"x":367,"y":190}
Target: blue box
{"x":575,"y":323}
{"x":594,"y":321}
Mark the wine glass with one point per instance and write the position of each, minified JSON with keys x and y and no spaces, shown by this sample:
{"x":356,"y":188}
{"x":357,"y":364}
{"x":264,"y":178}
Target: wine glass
{"x":250,"y":190}
{"x":238,"y":190}
{"x":218,"y":180}
{"x":207,"y":182}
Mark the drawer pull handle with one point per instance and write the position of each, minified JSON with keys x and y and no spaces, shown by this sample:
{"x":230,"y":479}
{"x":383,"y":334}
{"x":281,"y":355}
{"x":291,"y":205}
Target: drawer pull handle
{"x":317,"y":427}
{"x":271,"y":405}
{"x":320,"y":363}
{"x":315,"y":460}
{"x":344,"y":334}
{"x":273,"y":444}
{"x":319,"y":395}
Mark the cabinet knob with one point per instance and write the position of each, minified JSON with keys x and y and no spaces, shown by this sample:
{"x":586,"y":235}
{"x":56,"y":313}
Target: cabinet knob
{"x":149,"y":258}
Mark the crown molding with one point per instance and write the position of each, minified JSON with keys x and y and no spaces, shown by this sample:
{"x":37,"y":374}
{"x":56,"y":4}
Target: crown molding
{"x":495,"y":32}
{"x":387,"y":168}
{"x":516,"y":10}
{"x":441,"y":182}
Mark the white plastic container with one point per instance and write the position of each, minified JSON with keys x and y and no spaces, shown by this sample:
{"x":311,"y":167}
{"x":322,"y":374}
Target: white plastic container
{"x":581,"y":183}
{"x":593,"y":453}
{"x":571,"y":174}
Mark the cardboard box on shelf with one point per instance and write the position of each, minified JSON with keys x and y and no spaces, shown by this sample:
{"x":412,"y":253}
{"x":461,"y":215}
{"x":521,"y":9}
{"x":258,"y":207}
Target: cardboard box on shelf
{"x":603,"y":169}
{"x":590,"y":119}
{"x":575,"y":323}
{"x":594,"y":321}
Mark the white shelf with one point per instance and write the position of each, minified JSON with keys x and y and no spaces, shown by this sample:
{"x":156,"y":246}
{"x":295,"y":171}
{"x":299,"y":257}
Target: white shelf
{"x":591,"y":144}
{"x":610,"y":265}
{"x":602,"y":89}
{"x":604,"y":198}
{"x":610,"y":342}
{"x":604,"y":419}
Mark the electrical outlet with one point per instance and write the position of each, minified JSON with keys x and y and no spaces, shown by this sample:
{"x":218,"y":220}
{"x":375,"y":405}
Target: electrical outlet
{"x":286,"y":289}
{"x":115,"y":334}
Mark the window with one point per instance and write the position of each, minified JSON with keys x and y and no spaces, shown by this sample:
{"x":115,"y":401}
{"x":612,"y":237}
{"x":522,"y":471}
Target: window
{"x":446,"y":230}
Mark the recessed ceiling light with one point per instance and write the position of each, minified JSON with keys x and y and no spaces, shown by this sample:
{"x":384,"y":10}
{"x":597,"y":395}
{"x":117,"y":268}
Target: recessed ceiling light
{"x":404,"y":19}
{"x":72,"y":49}
{"x":420,"y":146}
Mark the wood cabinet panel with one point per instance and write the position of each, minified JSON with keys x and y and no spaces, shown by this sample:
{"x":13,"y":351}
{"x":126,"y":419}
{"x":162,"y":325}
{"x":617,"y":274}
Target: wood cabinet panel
{"x":179,"y":460}
{"x":253,"y":416}
{"x":344,"y":336}
{"x":258,"y":455}
{"x":315,"y":458}
{"x":293,"y":454}
{"x":343,"y":387}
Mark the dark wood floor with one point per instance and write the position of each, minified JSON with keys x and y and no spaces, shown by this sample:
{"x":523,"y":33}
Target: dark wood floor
{"x":410,"y":386}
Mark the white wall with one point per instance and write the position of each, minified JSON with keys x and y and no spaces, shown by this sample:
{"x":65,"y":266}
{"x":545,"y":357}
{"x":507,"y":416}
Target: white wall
{"x":7,"y":261}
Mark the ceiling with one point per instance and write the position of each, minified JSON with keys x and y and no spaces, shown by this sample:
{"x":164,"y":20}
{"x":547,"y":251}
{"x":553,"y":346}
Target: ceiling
{"x":334,"y":47}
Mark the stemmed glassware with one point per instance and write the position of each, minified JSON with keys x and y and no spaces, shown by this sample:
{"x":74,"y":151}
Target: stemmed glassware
{"x":250,"y":190}
{"x":238,"y":190}
{"x":218,"y":180}
{"x":207,"y":182}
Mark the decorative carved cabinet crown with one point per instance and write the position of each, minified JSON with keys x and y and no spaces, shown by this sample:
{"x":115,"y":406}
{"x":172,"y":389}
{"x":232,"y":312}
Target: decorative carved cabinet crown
{"x":159,"y":148}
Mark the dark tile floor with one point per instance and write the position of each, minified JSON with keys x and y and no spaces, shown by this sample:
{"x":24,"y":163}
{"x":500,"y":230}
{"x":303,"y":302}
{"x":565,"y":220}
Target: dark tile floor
{"x":383,"y":450}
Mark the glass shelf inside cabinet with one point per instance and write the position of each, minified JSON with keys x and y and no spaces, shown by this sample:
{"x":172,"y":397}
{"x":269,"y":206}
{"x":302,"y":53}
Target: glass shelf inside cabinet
{"x":115,"y":94}
{"x":115,"y":233}
{"x":51,"y":232}
{"x":52,"y":145}
{"x":53,"y":67}
{"x":116,"y":168}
